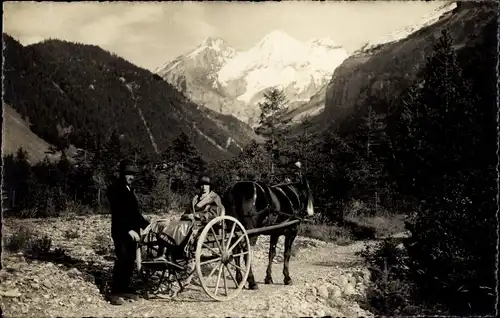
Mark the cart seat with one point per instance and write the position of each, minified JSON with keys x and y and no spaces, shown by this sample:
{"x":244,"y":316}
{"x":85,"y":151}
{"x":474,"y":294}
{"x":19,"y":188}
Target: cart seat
{"x":172,"y":232}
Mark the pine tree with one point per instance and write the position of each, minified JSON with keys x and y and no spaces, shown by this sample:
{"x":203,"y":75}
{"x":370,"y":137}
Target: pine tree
{"x":437,"y":119}
{"x":183,"y":153}
{"x":437,"y":150}
{"x":182,"y":163}
{"x":253,"y":163}
{"x":273,"y":106}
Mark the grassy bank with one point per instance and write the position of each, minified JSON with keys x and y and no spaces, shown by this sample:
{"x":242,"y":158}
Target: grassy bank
{"x":355,"y":227}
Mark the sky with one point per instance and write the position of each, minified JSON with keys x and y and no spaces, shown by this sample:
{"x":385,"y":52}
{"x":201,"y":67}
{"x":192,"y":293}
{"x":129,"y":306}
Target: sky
{"x":150,"y":34}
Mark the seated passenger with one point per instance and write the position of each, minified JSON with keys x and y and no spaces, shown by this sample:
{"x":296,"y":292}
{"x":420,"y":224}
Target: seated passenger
{"x":205,"y":206}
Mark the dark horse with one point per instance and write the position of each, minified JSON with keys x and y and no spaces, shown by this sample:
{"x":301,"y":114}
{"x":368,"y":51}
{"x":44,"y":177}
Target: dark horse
{"x":257,"y":205}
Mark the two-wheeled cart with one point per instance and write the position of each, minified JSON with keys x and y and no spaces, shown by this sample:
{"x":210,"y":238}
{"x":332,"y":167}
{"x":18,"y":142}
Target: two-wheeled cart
{"x":220,"y":250}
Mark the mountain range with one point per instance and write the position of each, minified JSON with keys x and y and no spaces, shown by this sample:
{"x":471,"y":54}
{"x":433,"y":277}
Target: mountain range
{"x":208,"y":92}
{"x":383,"y":69}
{"x":233,"y":82}
{"x":76,"y":93}
{"x":384,"y":72}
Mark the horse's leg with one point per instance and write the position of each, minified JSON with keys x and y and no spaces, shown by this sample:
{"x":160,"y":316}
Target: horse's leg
{"x":251,"y":280}
{"x":272,"y":254}
{"x":239,"y":277}
{"x":289,"y":238}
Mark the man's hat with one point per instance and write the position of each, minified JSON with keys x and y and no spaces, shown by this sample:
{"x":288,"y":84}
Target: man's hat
{"x":204,"y":180}
{"x":128,"y":167}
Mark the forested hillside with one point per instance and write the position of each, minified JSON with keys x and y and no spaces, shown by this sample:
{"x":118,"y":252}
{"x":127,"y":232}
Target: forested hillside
{"x":79,"y":94}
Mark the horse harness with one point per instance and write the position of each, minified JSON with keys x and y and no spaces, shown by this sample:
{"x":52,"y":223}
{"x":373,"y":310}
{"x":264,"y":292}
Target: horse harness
{"x":273,"y":212}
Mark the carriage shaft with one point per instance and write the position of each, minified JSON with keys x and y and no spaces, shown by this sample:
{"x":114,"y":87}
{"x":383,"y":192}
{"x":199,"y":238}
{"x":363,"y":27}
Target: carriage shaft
{"x":271,"y":227}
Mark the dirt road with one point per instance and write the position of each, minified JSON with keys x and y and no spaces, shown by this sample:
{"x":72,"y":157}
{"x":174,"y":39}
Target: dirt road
{"x":328,"y":280}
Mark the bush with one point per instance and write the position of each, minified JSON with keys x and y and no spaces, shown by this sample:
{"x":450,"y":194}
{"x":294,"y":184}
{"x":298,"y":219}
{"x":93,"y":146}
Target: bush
{"x":71,"y":234}
{"x":453,"y":250}
{"x":327,"y":233}
{"x":21,"y":240}
{"x":26,"y":240}
{"x":391,"y":290}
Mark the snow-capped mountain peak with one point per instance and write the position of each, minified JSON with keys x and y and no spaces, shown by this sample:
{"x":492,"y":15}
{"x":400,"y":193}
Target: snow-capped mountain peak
{"x":214,"y":42}
{"x":276,"y":60}
{"x":327,"y":41}
{"x":277,"y":38}
{"x":404,"y":32}
{"x":279,"y":60}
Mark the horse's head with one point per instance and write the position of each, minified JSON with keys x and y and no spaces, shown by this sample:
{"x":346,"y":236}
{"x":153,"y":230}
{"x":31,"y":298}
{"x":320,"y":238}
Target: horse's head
{"x":305,"y":190}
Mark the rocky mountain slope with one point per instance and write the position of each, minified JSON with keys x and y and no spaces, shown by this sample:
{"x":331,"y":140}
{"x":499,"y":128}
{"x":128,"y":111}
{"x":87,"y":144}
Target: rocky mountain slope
{"x":391,"y":45}
{"x":232,"y":82}
{"x":16,"y":133}
{"x":385,"y":71}
{"x":84,"y":93}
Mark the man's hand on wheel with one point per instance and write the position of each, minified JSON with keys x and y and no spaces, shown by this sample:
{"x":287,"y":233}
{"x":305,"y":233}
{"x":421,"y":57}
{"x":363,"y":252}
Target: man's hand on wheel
{"x":133,"y":234}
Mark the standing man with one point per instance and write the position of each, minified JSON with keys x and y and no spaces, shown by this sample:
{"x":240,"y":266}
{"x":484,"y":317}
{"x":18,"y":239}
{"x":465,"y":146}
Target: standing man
{"x":126,"y":224}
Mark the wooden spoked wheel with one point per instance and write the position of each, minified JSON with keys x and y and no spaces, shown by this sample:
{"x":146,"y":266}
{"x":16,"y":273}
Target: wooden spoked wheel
{"x":222,"y":249}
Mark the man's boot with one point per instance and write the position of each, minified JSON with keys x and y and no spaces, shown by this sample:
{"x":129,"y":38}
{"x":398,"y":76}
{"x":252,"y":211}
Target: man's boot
{"x":129,"y":293}
{"x":116,"y":300}
{"x":131,"y":296}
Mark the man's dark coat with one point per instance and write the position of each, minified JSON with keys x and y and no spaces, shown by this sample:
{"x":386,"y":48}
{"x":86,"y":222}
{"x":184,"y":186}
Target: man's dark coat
{"x":125,"y":215}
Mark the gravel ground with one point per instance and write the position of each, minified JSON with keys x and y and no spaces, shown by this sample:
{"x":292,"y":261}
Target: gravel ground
{"x":328,"y":279}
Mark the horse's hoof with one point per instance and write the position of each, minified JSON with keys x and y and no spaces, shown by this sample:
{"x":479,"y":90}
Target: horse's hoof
{"x":288,"y":282}
{"x":253,"y":286}
{"x":268,"y":281}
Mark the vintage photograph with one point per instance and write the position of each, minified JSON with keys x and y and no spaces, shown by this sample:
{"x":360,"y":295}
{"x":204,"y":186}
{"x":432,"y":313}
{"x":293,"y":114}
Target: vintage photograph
{"x":249,"y":159}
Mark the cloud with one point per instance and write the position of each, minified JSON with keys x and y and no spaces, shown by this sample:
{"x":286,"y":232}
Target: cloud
{"x":112,"y":27}
{"x":150,"y":33}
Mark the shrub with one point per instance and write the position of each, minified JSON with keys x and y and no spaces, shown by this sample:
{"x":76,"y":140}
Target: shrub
{"x":40,"y":246}
{"x":71,"y":234}
{"x":452,"y":252}
{"x":21,"y":240}
{"x":327,"y":233}
{"x":391,"y":290}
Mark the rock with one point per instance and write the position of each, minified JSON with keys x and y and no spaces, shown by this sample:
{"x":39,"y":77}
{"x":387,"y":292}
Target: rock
{"x":351,"y":280}
{"x":335,"y":292}
{"x":4,"y":275}
{"x":74,"y":273}
{"x":349,"y":289}
{"x":322,"y":291}
{"x":311,"y":298}
{"x":47,"y":284}
{"x":35,"y":285}
{"x":12,"y":293}
{"x":314,"y":292}
{"x":343,"y":282}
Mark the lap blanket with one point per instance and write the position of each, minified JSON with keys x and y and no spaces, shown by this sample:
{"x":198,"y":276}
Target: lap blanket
{"x":176,"y":230}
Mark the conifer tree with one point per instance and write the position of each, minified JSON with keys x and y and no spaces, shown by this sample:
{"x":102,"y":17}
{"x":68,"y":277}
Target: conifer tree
{"x":437,"y":149}
{"x":273,"y":106}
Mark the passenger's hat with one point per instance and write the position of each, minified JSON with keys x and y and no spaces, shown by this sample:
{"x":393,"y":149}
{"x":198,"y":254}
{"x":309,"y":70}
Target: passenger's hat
{"x":203,"y":179}
{"x":127,"y":167}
